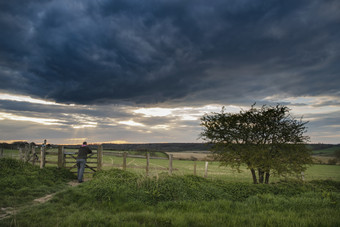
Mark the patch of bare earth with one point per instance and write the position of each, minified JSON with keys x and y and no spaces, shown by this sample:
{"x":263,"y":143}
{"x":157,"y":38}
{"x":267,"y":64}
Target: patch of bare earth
{"x":7,"y":211}
{"x":44,"y":199}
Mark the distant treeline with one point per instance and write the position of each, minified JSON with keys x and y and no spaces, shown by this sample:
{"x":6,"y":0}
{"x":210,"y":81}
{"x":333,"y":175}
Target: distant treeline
{"x":178,"y":147}
{"x":321,"y":146}
{"x":17,"y":145}
{"x":165,"y":147}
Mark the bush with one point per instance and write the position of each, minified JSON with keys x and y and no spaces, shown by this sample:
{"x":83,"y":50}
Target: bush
{"x":332,"y":161}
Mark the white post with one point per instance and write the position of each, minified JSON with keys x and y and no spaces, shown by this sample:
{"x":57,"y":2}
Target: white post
{"x":170,"y":164}
{"x":206,"y":169}
{"x":195,"y":165}
{"x":147,"y":163}
{"x":124,"y":160}
{"x":43,"y":155}
{"x":302,"y":176}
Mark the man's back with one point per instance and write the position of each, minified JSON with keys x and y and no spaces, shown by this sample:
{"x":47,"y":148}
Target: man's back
{"x":83,"y":151}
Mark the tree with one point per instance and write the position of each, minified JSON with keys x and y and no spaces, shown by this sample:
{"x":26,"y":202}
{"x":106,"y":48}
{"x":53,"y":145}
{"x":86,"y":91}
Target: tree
{"x":267,"y":140}
{"x":337,"y":154}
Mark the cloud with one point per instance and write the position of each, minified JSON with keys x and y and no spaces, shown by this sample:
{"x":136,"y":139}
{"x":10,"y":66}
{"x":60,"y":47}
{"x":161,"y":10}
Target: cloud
{"x":91,"y":52}
{"x":97,"y":123}
{"x":147,"y":70}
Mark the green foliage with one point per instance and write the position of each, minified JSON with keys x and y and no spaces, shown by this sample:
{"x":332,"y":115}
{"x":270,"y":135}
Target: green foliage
{"x":112,"y":185}
{"x":267,"y":139}
{"x":308,"y":209}
{"x":120,"y":198}
{"x":118,"y":186}
{"x":327,"y":150}
{"x":21,"y":182}
{"x":326,"y":185}
{"x":337,"y":153}
{"x":332,"y":161}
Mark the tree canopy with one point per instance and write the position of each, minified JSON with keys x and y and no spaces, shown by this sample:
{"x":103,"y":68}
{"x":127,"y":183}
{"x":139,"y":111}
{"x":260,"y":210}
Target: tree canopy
{"x":266,"y":139}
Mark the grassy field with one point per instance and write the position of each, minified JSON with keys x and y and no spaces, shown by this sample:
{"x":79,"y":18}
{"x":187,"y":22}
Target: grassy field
{"x":124,"y":198}
{"x":186,"y":167}
{"x":325,"y":152}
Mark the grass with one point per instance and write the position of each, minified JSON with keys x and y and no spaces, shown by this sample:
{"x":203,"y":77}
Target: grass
{"x":21,"y":182}
{"x":186,"y":167}
{"x":323,"y":172}
{"x":215,"y":171}
{"x":326,"y":152}
{"x":264,"y":210}
{"x":123,"y":198}
{"x":128,"y":198}
{"x":9,"y":153}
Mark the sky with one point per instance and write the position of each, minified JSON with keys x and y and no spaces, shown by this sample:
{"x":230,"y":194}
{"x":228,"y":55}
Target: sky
{"x":131,"y":71}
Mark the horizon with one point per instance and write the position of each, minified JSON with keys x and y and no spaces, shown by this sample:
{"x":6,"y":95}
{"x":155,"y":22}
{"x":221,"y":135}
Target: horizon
{"x":146,"y":72}
{"x":100,"y":143}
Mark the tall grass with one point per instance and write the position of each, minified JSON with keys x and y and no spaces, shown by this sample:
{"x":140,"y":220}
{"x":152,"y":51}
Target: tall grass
{"x":21,"y":182}
{"x":122,"y":198}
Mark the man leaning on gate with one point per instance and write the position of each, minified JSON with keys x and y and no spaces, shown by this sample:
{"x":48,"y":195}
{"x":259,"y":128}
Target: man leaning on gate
{"x":83,"y":151}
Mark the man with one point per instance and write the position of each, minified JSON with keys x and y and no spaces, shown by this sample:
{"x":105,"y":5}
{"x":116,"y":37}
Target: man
{"x":83,"y":151}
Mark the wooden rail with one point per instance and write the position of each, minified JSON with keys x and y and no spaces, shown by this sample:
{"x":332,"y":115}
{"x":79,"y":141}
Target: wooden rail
{"x":65,"y":157}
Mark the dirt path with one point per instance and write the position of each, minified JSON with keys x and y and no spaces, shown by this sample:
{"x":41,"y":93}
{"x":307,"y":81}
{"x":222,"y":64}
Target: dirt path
{"x":9,"y":211}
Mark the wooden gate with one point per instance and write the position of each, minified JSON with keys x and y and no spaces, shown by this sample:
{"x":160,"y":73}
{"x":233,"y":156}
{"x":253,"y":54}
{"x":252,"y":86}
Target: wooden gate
{"x":69,"y":160}
{"x":93,"y":162}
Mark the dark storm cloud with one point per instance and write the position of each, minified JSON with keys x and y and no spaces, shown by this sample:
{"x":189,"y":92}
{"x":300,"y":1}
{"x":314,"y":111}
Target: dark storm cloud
{"x":26,"y":108}
{"x":158,"y":51}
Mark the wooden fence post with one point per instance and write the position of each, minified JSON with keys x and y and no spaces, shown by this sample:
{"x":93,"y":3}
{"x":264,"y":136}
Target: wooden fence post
{"x":64,"y":158}
{"x":147,"y":163}
{"x":60,"y":157}
{"x":302,"y":176}
{"x":170,"y":164}
{"x":195,"y":168}
{"x":27,"y":152}
{"x":2,"y":152}
{"x":21,"y":153}
{"x":34,"y":155}
{"x":124,"y":160}
{"x":206,"y":169}
{"x":100,"y":157}
{"x":43,"y":156}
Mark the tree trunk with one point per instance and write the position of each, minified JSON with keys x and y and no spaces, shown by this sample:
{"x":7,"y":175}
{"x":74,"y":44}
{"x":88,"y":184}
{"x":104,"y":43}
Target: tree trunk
{"x":261,"y":175}
{"x":267,"y":177}
{"x":253,"y":173}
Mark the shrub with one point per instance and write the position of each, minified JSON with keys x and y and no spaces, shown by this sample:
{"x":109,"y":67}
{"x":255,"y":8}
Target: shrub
{"x":332,"y":161}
